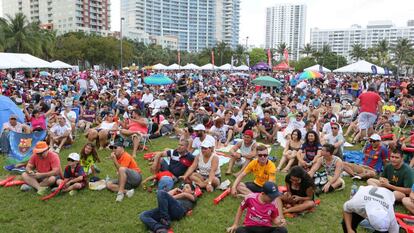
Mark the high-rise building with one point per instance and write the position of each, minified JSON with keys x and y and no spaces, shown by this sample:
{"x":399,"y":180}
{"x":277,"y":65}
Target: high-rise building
{"x":286,"y":23}
{"x":341,"y":40}
{"x":90,"y":16}
{"x":197,"y":24}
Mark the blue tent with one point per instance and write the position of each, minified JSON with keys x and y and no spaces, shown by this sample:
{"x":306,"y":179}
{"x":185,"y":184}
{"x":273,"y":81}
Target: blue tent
{"x":7,"y":108}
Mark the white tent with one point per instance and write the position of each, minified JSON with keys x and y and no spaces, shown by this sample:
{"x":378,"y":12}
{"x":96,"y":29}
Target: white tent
{"x":191,"y":66}
{"x":226,"y":67}
{"x":209,"y":66}
{"x":360,"y":66}
{"x":60,"y":65}
{"x":317,"y":68}
{"x":173,"y":67}
{"x":21,"y":60}
{"x":242,"y":68}
{"x":159,"y":66}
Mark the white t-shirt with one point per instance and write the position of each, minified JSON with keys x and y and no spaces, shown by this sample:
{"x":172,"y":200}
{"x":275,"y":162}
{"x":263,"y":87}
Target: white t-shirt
{"x":71,"y":116}
{"x":83,"y":84}
{"x":369,"y":193}
{"x":147,"y":98}
{"x":107,"y":125}
{"x":197,"y":142}
{"x":18,"y":128}
{"x":59,"y":130}
{"x":158,"y":104}
{"x":221,"y":132}
{"x":328,"y":130}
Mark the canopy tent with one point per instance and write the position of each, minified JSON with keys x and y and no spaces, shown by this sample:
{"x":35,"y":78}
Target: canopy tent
{"x":226,"y":67}
{"x":318,"y":68}
{"x":60,"y":65}
{"x":191,"y":66}
{"x":209,"y":66}
{"x":173,"y":67}
{"x":243,"y":68}
{"x":22,"y":60}
{"x":261,"y":66}
{"x":159,"y":66}
{"x":361,"y":66}
{"x":282,"y":66}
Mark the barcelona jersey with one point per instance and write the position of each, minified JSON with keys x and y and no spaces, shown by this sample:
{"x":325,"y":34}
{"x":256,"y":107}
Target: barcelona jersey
{"x":374,"y":158}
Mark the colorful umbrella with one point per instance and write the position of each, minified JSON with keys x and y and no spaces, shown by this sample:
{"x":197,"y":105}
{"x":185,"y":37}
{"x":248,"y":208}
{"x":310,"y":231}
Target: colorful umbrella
{"x":267,"y":81}
{"x":158,"y":80}
{"x":309,"y":75}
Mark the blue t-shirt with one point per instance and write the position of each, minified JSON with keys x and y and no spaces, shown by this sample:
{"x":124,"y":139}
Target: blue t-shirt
{"x":179,"y":164}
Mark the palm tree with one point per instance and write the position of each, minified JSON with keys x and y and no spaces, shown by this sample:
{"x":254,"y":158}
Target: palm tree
{"x":403,"y":51}
{"x":357,"y":52}
{"x":307,"y":49}
{"x":382,"y":52}
{"x":239,"y":53}
{"x":222,"y":47}
{"x":281,"y":48}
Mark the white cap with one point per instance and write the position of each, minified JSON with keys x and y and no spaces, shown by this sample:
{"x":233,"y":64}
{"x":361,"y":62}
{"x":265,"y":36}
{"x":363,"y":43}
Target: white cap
{"x":207,"y":143}
{"x":74,"y":156}
{"x":199,"y":127}
{"x":202,"y":108}
{"x":375,"y":137}
{"x":377,"y":216}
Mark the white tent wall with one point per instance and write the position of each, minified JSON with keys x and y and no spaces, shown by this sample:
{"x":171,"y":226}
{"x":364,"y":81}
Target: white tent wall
{"x":22,"y":60}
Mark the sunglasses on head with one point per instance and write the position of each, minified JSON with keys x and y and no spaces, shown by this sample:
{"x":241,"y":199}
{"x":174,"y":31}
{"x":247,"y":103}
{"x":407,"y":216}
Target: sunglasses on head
{"x":262,"y":155}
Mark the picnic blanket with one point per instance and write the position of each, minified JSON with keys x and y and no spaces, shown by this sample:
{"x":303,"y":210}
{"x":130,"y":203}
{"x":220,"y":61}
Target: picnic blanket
{"x":353,"y":156}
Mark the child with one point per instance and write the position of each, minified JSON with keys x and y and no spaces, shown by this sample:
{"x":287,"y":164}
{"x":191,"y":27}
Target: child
{"x":165,"y":180}
{"x":89,"y":157}
{"x":74,"y":175}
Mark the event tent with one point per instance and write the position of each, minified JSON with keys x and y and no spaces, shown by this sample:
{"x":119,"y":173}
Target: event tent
{"x":261,"y":66}
{"x":159,"y":66}
{"x":360,"y":66}
{"x":209,"y":66}
{"x":21,"y":60}
{"x":317,"y":68}
{"x":226,"y":67}
{"x":190,"y":66}
{"x":173,"y":67}
{"x":60,"y":65}
{"x":282,"y":66}
{"x":242,"y":68}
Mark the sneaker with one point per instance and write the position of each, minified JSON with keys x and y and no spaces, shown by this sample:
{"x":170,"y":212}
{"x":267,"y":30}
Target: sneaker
{"x":72,"y":192}
{"x":130,"y":193}
{"x":42,"y":191}
{"x":119,"y":197}
{"x":26,"y":188}
{"x":324,"y":180}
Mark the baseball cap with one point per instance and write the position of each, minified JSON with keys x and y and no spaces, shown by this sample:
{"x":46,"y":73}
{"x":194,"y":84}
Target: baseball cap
{"x":377,"y":216}
{"x":116,"y":144}
{"x":375,"y":137}
{"x":199,"y":127}
{"x":271,"y":190}
{"x":13,"y":116}
{"x":207,"y":143}
{"x":249,"y":133}
{"x":74,"y":156}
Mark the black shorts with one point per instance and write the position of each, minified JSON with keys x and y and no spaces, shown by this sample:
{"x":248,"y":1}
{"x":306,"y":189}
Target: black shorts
{"x":254,"y":187}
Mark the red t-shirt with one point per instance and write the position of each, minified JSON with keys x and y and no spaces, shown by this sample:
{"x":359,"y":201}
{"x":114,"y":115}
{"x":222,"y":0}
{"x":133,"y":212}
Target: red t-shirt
{"x":369,"y":102}
{"x":46,"y":164}
{"x":160,"y":175}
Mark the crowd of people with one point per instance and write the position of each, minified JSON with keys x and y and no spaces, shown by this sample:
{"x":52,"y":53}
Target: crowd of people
{"x":313,"y":119}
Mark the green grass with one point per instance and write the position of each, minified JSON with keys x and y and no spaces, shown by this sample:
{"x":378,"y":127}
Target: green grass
{"x":97,"y":211}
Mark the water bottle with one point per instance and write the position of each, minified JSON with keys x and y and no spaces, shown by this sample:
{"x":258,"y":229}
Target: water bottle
{"x":354,"y":189}
{"x":107,"y":179}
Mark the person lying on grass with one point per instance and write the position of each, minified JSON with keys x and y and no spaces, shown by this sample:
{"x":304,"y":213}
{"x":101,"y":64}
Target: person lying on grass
{"x":74,"y":175}
{"x":172,"y":206}
{"x":262,"y":213}
{"x":165,"y":180}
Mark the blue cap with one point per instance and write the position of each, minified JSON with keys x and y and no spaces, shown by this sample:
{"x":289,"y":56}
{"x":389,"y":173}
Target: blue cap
{"x":271,"y":190}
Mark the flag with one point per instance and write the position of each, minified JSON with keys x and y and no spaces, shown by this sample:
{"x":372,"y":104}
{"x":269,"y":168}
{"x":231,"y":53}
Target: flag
{"x":247,"y":60}
{"x":232,"y":61}
{"x":374,"y":69}
{"x":286,"y":55}
{"x":179,"y":57}
{"x":212,"y":57}
{"x":269,"y":57}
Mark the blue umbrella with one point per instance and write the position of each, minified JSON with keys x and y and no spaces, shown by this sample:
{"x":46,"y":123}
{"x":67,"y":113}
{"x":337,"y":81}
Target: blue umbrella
{"x":158,"y":80}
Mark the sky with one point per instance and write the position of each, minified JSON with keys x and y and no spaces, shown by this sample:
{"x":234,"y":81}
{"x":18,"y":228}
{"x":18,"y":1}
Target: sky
{"x":323,"y":14}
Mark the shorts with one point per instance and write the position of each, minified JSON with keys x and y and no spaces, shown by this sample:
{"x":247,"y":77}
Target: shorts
{"x":254,"y":187}
{"x":366,"y":120}
{"x":166,"y":183}
{"x":133,"y":179}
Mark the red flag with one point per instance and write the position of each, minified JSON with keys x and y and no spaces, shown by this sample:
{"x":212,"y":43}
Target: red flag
{"x":269,"y":58}
{"x":179,"y":57}
{"x":212,"y":57}
{"x":286,"y":55}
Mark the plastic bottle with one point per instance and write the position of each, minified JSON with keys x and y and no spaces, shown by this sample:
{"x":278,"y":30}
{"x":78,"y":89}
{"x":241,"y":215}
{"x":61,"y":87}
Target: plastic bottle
{"x":107,"y":179}
{"x":354,"y":189}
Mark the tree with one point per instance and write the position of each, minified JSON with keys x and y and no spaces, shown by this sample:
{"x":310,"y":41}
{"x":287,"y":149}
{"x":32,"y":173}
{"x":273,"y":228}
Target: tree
{"x":403,"y":53}
{"x":239,"y":54}
{"x":382,"y":52}
{"x":281,"y":48}
{"x":257,"y":55}
{"x":304,"y":62}
{"x":307,"y":49}
{"x":222,"y":50}
{"x":357,"y":52}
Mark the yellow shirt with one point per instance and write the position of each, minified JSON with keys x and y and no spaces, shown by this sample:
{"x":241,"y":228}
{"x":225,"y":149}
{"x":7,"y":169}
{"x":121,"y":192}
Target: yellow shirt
{"x":390,"y":108}
{"x":262,"y":173}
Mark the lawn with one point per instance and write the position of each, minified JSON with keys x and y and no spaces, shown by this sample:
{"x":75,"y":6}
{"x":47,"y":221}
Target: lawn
{"x":97,"y":211}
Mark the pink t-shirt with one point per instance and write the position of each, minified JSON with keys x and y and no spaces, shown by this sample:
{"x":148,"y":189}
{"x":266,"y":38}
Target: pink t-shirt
{"x":258,"y":214}
{"x":39,"y":122}
{"x":46,"y":164}
{"x":369,"y":102}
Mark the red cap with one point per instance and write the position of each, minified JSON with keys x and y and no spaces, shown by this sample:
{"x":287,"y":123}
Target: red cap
{"x":248,"y":133}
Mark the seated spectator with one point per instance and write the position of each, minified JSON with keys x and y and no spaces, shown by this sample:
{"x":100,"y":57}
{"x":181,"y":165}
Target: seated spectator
{"x":300,"y":191}
{"x":408,"y":202}
{"x":332,"y":165}
{"x":246,"y":123}
{"x":221,"y":133}
{"x":59,"y":135}
{"x":129,"y":174}
{"x":387,"y":135}
{"x":397,"y":177}
{"x":289,"y":154}
{"x":172,"y":206}
{"x":374,"y":160}
{"x":73,"y":175}
{"x":263,"y":170}
{"x":242,"y":153}
{"x":268,"y":127}
{"x":135,"y":127}
{"x":336,"y":139}
{"x":42,"y":170}
{"x":346,"y":115}
{"x":87,"y":119}
{"x":88,"y":158}
{"x":200,"y":131}
{"x":37,"y":120}
{"x":262,"y":212}
{"x":70,"y":117}
{"x":295,"y":123}
{"x":310,"y":150}
{"x":102,"y":133}
{"x":11,"y":125}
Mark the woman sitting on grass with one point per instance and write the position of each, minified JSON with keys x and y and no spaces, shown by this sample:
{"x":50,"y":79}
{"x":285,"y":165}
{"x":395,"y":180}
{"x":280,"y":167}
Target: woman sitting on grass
{"x":89,"y":157}
{"x":291,"y":150}
{"x":300,"y":191}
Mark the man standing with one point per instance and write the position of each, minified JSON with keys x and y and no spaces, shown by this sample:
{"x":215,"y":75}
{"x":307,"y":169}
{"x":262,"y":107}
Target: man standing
{"x":129,"y":174}
{"x":42,"y":170}
{"x":370,"y":104}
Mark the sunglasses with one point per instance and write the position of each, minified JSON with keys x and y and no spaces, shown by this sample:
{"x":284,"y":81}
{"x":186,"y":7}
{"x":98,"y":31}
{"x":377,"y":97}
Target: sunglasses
{"x":334,"y":128}
{"x":262,"y":155}
{"x":205,"y":148}
{"x":372,"y":141}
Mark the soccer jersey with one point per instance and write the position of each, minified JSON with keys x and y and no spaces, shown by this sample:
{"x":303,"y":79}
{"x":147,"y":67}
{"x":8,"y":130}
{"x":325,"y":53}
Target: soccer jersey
{"x":310,"y":151}
{"x":262,"y":173}
{"x":374,"y":158}
{"x":258,"y":213}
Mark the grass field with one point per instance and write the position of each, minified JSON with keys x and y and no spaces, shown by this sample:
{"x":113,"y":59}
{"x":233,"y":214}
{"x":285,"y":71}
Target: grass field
{"x":97,"y":211}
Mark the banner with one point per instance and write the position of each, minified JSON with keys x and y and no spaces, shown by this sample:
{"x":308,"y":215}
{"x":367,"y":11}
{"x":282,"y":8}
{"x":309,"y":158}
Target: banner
{"x":247,"y":60}
{"x":212,"y":57}
{"x":232,"y":61}
{"x":21,"y":145}
{"x":269,"y":58}
{"x":386,"y":71}
{"x":286,"y":55}
{"x":179,"y":57}
{"x":374,"y":69}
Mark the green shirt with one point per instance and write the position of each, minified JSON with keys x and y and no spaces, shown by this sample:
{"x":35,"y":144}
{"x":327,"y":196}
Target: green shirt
{"x":403,"y":177}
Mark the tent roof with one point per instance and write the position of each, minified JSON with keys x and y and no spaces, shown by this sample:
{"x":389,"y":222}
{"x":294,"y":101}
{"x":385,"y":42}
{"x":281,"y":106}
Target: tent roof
{"x":317,"y":68}
{"x":173,"y":67}
{"x":209,"y":66}
{"x":22,"y":60}
{"x":243,"y":67}
{"x":360,"y":66}
{"x":60,"y":65}
{"x":190,"y":66}
{"x":226,"y":67}
{"x":159,"y":66}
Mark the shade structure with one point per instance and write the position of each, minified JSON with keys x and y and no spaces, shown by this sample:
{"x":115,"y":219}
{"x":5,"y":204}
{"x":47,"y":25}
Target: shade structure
{"x":242,"y":68}
{"x":226,"y":67}
{"x":317,"y":68}
{"x":209,"y":66}
{"x":261,"y":66}
{"x":158,"y":80}
{"x":240,"y":74}
{"x":159,"y":66}
{"x":60,"y":65}
{"x":282,"y":66}
{"x":309,"y":75}
{"x":22,"y":60}
{"x":266,"y":81}
{"x":191,"y":66}
{"x":361,"y":66}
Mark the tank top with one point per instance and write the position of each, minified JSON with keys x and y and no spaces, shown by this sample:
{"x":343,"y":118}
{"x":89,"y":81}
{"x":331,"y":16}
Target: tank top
{"x":204,"y":168}
{"x":245,"y":150}
{"x":330,"y":168}
{"x":106,"y":125}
